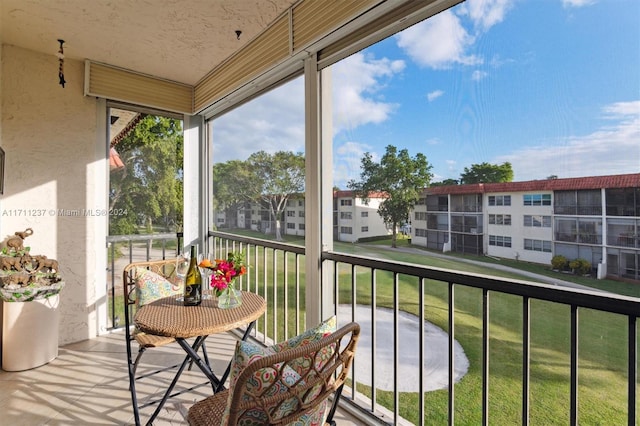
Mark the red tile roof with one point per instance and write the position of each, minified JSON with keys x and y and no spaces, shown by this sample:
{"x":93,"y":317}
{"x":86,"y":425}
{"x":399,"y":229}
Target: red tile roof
{"x":590,"y":182}
{"x":352,"y":194}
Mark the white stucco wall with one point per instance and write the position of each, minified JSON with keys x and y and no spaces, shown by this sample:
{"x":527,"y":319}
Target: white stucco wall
{"x":0,"y":116}
{"x":56,"y":159}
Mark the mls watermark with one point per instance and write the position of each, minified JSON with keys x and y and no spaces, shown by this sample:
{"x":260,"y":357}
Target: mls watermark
{"x":63,"y":212}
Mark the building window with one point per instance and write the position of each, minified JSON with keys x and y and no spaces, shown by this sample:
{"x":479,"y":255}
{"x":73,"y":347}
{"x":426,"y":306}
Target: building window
{"x":499,"y":241}
{"x":364,"y":214}
{"x":345,"y":215}
{"x":421,"y":215}
{"x":291,"y":226}
{"x":346,"y":202}
{"x":301,"y":203}
{"x":499,"y":200}
{"x":221,"y":220}
{"x":364,"y":229}
{"x":537,"y":199}
{"x":500,"y":219}
{"x":291,"y":213}
{"x":537,"y":221}
{"x":300,"y":213}
{"x":346,"y":230}
{"x":581,"y":202}
{"x":537,"y":245}
{"x":623,"y":201}
{"x":421,"y":232}
{"x":301,"y":226}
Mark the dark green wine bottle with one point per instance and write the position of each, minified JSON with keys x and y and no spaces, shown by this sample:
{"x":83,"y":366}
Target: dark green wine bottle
{"x":193,"y":281}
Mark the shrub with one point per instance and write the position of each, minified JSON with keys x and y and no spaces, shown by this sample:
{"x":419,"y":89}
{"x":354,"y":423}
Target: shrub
{"x":559,"y":262}
{"x":580,"y":266}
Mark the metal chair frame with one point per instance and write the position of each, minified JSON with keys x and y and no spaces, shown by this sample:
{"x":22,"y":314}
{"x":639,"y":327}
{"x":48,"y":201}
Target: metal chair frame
{"x":166,"y":269}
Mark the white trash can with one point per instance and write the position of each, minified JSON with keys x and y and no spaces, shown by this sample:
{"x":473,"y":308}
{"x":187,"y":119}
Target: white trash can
{"x":30,"y":333}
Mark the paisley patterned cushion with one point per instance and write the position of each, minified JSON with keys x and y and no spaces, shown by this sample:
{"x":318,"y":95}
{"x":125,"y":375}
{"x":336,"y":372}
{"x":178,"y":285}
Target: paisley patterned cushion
{"x":300,"y":365}
{"x":246,"y":353}
{"x":314,"y":334}
{"x":151,"y":286}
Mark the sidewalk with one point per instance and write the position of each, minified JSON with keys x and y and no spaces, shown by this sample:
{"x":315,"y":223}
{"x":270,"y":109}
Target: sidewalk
{"x":539,"y":278}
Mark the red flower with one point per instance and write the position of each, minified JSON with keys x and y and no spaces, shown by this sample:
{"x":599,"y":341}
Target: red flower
{"x":225,"y":271}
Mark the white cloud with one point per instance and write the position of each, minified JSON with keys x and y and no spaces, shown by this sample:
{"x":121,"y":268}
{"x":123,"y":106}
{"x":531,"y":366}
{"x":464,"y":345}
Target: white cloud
{"x":621,"y":109}
{"x":577,"y":3}
{"x":478,"y":75}
{"x":485,"y":13}
{"x":432,"y":96}
{"x":613,"y":149}
{"x":451,"y":172}
{"x":347,"y":160}
{"x":443,"y":41}
{"x":438,"y":42}
{"x":356,"y":81}
{"x":273,"y":122}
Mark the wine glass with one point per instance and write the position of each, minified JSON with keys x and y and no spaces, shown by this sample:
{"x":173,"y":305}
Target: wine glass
{"x":182,"y":266}
{"x":206,"y":274}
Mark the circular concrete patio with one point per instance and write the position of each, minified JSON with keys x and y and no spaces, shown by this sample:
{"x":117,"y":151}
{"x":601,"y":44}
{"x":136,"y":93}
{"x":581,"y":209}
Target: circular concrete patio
{"x":436,"y":343}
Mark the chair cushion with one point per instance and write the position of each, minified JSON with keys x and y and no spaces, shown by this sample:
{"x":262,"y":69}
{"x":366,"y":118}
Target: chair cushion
{"x":151,"y":286}
{"x":325,"y":328}
{"x":247,"y":353}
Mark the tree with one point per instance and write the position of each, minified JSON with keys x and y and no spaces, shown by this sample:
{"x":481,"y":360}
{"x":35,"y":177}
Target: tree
{"x":487,"y":173}
{"x":445,"y":182}
{"x":278,"y":176}
{"x":400,"y":177}
{"x":149,"y":188}
{"x":233,"y":185}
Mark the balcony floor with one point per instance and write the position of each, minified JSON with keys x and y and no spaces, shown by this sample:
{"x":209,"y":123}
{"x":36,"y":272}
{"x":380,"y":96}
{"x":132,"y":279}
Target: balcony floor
{"x":87,"y":384}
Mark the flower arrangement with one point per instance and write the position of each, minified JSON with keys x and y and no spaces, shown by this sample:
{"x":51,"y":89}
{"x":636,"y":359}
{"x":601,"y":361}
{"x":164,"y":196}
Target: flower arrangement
{"x":225,"y":271}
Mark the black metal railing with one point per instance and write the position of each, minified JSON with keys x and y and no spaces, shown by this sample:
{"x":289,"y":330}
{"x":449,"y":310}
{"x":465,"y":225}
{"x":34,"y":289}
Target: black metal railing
{"x":275,"y":271}
{"x":125,"y":249}
{"x":577,"y":300}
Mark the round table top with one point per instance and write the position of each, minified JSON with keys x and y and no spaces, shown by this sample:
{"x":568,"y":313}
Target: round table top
{"x":169,"y":317}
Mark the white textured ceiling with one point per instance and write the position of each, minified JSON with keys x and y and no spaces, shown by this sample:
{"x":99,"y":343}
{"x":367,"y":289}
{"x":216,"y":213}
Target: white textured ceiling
{"x":180,"y":40}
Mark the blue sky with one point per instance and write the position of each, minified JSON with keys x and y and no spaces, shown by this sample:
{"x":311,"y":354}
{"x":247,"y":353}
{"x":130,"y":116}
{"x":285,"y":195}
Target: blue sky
{"x":552,"y":86}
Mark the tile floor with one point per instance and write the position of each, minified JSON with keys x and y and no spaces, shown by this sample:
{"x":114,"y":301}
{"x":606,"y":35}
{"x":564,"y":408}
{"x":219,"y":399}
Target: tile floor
{"x":87,"y":384}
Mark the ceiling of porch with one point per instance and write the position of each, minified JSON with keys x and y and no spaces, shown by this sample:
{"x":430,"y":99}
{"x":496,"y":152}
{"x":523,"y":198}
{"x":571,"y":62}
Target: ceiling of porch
{"x":179,"y":40}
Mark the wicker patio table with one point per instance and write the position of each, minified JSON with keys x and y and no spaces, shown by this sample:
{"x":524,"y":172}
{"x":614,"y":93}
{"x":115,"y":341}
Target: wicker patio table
{"x":169,"y":317}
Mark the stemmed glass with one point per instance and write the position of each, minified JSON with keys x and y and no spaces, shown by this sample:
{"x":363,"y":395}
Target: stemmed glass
{"x":206,"y":274}
{"x":182,"y":266}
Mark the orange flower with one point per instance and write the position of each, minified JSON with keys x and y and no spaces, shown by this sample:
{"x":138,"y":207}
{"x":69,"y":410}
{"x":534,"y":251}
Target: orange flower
{"x":205,"y":263}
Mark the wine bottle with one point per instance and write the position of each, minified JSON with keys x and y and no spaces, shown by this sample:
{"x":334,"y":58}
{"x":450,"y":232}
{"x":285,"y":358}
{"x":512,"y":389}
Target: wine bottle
{"x":193,"y":281}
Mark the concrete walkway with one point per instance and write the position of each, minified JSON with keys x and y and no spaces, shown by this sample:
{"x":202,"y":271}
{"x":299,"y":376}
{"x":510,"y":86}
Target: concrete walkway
{"x":537,"y":277}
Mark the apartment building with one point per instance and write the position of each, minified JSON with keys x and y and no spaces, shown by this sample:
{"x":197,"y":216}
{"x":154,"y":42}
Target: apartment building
{"x":594,"y":218}
{"x":294,"y":216}
{"x":353,"y":220}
